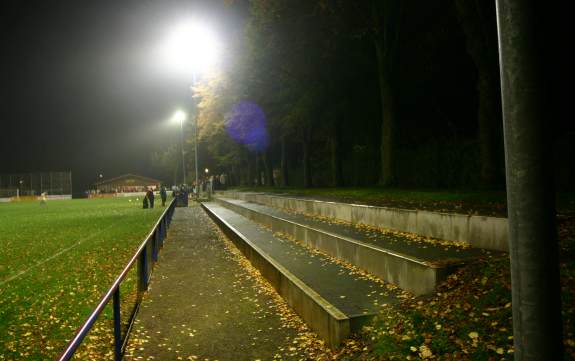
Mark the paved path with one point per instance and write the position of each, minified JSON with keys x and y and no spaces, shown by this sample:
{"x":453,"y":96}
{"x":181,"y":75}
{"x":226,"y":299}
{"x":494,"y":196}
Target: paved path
{"x":204,"y":304}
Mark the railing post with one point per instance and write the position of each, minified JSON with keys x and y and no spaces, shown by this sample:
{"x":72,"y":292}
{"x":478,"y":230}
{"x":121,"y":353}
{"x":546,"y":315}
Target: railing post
{"x":171,"y":212}
{"x":166,"y":225}
{"x":155,"y":243}
{"x":143,"y":271}
{"x":162,"y":231}
{"x":117,"y":326}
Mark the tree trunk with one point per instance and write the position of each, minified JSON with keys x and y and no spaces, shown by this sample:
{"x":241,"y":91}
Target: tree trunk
{"x":356,"y":172}
{"x":336,"y":170}
{"x":176,"y":173}
{"x":307,"y":180}
{"x":268,"y":168}
{"x":258,"y":175}
{"x":387,"y":147}
{"x":479,"y":31}
{"x":387,"y":20}
{"x":249,"y":171}
{"x":284,"y":163}
{"x":487,"y":130}
{"x":230,"y":181}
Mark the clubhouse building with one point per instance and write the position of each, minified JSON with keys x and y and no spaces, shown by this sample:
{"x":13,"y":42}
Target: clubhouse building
{"x":127,"y":183}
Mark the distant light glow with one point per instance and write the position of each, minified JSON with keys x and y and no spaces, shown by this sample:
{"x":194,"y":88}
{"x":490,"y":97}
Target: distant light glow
{"x":246,"y":124}
{"x":179,"y":116}
{"x":192,"y":47}
{"x":207,"y":170}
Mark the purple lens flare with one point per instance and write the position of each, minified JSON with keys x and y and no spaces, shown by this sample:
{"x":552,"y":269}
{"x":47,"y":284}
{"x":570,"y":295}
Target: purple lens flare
{"x":246,"y":124}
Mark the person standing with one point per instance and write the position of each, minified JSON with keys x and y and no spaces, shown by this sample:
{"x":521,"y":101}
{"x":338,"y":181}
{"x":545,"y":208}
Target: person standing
{"x":163,"y":195}
{"x":185,"y":195}
{"x":150,"y":195}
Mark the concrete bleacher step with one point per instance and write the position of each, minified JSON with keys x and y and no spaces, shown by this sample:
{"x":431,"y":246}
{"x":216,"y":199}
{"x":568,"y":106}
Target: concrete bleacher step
{"x":476,"y":230}
{"x":414,"y":266}
{"x":333,"y":300}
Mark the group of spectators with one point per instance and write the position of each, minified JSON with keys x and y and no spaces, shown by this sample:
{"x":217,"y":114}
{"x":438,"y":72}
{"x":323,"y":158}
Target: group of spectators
{"x":148,"y":201}
{"x":208,"y":185}
{"x":181,"y":195}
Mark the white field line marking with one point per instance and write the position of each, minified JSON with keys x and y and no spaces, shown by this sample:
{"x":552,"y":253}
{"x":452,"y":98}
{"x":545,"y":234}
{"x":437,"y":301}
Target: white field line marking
{"x":10,"y":279}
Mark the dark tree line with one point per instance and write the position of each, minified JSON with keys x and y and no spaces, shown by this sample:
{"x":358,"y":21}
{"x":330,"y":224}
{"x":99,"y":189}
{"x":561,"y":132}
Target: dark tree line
{"x":388,"y":92}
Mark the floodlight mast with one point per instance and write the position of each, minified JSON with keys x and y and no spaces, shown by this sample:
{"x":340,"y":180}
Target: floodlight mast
{"x":192,"y":47}
{"x":183,"y":152}
{"x":180,"y":116}
{"x":197,"y":185}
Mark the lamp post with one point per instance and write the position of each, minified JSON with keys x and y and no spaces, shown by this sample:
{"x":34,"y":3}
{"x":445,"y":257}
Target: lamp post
{"x":99,"y":179}
{"x":208,"y":184}
{"x":180,"y":116}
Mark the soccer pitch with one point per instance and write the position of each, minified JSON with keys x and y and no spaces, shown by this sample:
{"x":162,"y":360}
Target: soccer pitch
{"x":56,"y":260}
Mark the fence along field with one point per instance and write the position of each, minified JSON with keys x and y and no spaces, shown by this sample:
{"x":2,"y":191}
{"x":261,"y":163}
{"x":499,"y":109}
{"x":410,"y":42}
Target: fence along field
{"x":27,"y":185}
{"x":56,"y":260}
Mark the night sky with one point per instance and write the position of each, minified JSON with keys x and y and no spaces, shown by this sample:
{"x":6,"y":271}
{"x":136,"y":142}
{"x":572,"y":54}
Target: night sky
{"x":83,"y":88}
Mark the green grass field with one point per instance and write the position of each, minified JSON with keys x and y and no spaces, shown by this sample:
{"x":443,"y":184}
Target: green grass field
{"x":56,"y":261}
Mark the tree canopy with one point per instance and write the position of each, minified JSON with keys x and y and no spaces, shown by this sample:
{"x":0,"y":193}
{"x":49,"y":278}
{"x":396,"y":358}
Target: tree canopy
{"x":357,"y":93}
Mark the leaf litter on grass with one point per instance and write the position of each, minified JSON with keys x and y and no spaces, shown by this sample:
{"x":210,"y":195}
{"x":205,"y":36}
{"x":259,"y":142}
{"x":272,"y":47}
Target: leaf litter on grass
{"x":42,"y":307}
{"x":468,"y":318}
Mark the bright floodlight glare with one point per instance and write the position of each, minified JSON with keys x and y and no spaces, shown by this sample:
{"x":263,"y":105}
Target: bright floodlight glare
{"x":179,"y":116}
{"x":192,"y":48}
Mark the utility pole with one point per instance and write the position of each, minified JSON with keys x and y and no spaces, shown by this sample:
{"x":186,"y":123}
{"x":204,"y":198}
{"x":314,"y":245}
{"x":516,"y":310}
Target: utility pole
{"x":527,"y":112}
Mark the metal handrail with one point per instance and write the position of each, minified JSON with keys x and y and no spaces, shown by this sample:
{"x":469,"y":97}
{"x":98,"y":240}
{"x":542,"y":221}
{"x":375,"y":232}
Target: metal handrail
{"x":154,"y":239}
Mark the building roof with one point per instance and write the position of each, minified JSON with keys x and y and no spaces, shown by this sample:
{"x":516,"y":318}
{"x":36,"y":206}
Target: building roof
{"x":143,"y":179}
